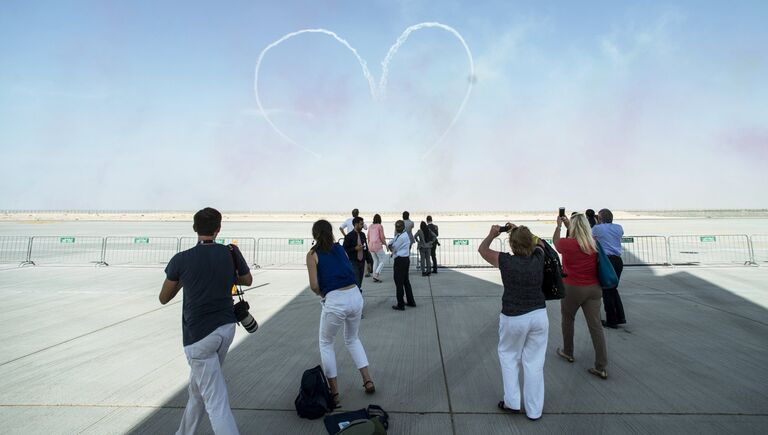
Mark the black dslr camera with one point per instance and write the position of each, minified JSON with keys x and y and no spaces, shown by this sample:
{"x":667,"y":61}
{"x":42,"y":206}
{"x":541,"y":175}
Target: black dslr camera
{"x":241,"y":308}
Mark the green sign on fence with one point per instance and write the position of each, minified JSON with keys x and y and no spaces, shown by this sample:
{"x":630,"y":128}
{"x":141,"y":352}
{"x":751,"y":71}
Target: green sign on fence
{"x":708,"y":239}
{"x":141,"y":240}
{"x":220,"y":241}
{"x":66,"y":240}
{"x":295,"y":241}
{"x":461,"y":242}
{"x":627,"y":240}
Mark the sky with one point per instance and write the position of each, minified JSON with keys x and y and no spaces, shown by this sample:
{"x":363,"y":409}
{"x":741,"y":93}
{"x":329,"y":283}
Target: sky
{"x":153,"y":105}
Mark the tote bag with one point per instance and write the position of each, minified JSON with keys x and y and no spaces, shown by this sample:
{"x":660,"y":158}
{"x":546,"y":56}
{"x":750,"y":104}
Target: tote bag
{"x":605,"y":272}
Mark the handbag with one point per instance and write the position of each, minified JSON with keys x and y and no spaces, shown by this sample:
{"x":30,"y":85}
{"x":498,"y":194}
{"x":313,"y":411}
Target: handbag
{"x":605,"y":272}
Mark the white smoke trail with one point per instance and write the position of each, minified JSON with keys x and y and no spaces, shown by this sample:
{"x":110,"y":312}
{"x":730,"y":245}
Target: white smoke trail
{"x":396,"y":46}
{"x":377,"y":92}
{"x":363,"y":65}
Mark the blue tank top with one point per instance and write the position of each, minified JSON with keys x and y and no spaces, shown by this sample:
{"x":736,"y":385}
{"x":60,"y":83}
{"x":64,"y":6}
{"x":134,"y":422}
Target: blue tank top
{"x":334,"y":271}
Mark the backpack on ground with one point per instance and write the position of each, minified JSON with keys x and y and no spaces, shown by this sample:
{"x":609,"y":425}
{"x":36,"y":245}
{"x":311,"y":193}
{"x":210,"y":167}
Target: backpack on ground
{"x":552,"y":285}
{"x":365,"y":421}
{"x":314,"y":399}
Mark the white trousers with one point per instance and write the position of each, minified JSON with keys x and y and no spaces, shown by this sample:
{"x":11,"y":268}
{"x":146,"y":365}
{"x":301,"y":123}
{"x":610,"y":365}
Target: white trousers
{"x":379,"y":258}
{"x":523,"y":344}
{"x":341,"y":308}
{"x":207,"y":390}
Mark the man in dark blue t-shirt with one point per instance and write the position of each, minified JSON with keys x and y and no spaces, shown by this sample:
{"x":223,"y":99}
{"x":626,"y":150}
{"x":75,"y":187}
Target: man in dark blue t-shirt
{"x":207,"y":273}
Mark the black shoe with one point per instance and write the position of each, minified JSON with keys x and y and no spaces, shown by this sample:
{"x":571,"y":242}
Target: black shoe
{"x":609,"y":325}
{"x":411,"y":305}
{"x":434,"y":271}
{"x":398,"y":308}
{"x":424,"y":274}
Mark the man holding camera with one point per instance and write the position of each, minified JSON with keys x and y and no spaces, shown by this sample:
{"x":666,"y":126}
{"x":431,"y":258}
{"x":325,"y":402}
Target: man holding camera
{"x":207,"y":272}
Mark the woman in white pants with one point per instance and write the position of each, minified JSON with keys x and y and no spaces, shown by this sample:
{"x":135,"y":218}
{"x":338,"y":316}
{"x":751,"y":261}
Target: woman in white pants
{"x":376,"y":243}
{"x":331,"y":277}
{"x":523,"y":323}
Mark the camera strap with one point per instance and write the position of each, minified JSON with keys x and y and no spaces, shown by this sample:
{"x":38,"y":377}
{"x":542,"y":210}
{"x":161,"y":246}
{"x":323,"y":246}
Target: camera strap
{"x":239,"y":290}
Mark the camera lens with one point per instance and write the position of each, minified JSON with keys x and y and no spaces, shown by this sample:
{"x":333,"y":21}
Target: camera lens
{"x":250,"y":324}
{"x":244,"y":317}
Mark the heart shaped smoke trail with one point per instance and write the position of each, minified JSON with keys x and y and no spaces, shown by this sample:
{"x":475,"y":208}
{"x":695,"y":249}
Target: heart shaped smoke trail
{"x":377,"y":92}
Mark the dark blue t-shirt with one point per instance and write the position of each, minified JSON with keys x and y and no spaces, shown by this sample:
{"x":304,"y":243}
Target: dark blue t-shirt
{"x":207,"y":273}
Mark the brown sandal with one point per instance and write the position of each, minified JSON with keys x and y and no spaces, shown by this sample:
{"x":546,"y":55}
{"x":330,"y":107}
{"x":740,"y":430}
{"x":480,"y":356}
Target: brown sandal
{"x":602,"y":374}
{"x":564,"y":355}
{"x":336,"y":401}
{"x":371,"y":389}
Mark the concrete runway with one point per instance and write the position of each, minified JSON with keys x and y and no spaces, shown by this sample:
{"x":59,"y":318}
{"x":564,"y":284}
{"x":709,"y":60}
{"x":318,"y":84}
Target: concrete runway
{"x":91,"y":350}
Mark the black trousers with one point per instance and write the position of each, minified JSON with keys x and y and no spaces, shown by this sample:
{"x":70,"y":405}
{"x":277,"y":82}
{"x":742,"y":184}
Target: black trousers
{"x":614,"y":309}
{"x":402,"y":282}
{"x":434,"y":257}
{"x":358,"y":267}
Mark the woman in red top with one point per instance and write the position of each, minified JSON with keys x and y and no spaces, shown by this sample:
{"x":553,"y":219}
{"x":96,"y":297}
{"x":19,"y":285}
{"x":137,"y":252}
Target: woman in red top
{"x":582,"y":288}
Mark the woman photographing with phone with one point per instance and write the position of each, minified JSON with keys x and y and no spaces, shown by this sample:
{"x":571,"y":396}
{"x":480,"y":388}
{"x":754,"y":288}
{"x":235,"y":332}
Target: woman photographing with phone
{"x":523,"y":322}
{"x":582,"y":288}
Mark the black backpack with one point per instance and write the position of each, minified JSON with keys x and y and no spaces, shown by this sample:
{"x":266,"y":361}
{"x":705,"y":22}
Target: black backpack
{"x":552,"y":285}
{"x":314,"y":399}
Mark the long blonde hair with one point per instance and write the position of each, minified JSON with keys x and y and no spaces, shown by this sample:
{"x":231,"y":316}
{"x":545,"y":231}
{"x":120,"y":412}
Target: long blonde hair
{"x":581,"y":231}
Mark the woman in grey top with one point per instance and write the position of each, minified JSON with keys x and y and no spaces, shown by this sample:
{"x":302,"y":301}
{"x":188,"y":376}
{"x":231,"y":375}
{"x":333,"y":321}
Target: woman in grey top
{"x":425,"y":238}
{"x":523,"y":323}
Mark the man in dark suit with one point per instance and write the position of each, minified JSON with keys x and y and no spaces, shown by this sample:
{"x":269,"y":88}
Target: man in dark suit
{"x":356,"y":247}
{"x":432,"y":227}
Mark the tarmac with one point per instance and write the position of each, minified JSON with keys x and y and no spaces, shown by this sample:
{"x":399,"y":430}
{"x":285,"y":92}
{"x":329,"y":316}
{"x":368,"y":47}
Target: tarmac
{"x":90,"y":350}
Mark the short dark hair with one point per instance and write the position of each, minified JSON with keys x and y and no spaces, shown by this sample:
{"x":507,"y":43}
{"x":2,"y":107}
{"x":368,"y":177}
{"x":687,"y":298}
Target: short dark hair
{"x":399,"y":226}
{"x":356,"y":220}
{"x":376,"y":219}
{"x":207,"y":221}
{"x":406,"y":215}
{"x":606,"y":216}
{"x":429,"y":218}
{"x":355,"y":212}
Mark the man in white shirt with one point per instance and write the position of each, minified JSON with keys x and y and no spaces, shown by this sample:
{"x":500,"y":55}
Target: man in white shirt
{"x":347,"y":225}
{"x":400,"y":247}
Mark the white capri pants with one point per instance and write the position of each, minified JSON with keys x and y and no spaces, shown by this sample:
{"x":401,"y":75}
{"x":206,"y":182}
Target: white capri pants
{"x":379,"y":258}
{"x":207,"y":390}
{"x":341,"y":308}
{"x":523,"y":344}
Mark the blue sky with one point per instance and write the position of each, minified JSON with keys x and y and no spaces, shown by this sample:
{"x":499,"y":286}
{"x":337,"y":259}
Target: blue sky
{"x":122,"y":105}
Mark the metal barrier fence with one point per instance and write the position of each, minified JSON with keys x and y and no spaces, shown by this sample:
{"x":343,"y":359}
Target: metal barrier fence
{"x":66,"y":250}
{"x":644,"y":250}
{"x":636,"y":250}
{"x":463,"y":252}
{"x":14,"y":249}
{"x":759,"y":248}
{"x":247,"y":245}
{"x":282,"y":252}
{"x":290,"y":252}
{"x":144,"y":251}
{"x":713,"y":249}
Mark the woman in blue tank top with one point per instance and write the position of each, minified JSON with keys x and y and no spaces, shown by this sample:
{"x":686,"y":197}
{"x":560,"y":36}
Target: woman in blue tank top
{"x":331,"y":277}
